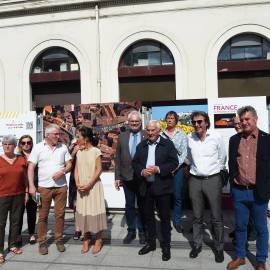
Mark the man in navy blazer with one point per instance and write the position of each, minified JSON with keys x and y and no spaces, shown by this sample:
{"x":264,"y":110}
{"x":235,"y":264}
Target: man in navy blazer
{"x":154,"y":163}
{"x":249,"y":166}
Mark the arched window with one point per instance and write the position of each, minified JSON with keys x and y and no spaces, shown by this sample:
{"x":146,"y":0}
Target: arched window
{"x":55,"y":78}
{"x":146,"y":72}
{"x":245,"y":47}
{"x":146,"y":53}
{"x":55,"y":59}
{"x":244,"y":66}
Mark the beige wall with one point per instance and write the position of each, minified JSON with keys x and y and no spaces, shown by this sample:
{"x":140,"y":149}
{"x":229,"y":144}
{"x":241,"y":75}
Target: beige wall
{"x":194,"y":31}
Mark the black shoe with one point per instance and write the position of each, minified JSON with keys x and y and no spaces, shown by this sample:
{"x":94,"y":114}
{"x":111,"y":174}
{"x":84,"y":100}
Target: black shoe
{"x":77,"y":235}
{"x":232,"y":234}
{"x":142,"y":239}
{"x":194,"y":252}
{"x":166,"y":254}
{"x":178,"y":228}
{"x":219,"y":256}
{"x":129,"y":237}
{"x":146,"y":249}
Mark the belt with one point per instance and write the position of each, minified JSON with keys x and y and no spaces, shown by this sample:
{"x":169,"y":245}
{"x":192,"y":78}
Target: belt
{"x":244,"y":186}
{"x":204,"y":177}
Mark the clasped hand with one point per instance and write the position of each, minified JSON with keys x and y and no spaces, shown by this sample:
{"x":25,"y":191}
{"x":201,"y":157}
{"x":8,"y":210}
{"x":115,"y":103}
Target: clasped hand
{"x":85,"y":187}
{"x":150,"y":170}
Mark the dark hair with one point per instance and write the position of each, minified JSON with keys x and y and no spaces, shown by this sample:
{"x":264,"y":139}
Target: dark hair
{"x":175,"y":115}
{"x":203,"y":114}
{"x":87,"y":133}
{"x":246,"y":109}
{"x":20,"y":143}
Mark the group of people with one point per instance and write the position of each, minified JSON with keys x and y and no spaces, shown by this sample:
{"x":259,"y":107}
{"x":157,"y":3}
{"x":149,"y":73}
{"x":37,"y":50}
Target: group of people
{"x":149,"y":165}
{"x":35,"y":176}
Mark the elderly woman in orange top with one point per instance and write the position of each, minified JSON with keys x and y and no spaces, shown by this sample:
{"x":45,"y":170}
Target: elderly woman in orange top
{"x":13,"y":193}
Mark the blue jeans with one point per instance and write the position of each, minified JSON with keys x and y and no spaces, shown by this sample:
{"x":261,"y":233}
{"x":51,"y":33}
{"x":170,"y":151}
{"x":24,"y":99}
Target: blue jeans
{"x":178,"y":184}
{"x":134,"y":220}
{"x":246,"y":202}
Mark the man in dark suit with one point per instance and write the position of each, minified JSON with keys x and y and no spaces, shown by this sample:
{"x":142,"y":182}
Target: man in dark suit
{"x":124,"y":175}
{"x":154,"y":163}
{"x":249,"y":165}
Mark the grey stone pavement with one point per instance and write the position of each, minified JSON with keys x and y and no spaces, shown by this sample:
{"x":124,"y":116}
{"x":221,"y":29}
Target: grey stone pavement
{"x":115,"y":255}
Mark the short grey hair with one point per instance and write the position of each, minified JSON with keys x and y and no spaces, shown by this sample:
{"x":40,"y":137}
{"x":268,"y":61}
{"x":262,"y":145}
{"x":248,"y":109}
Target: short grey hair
{"x":11,"y":139}
{"x":246,"y":109}
{"x":135,"y":113}
{"x":51,"y":128}
{"x":155,"y":123}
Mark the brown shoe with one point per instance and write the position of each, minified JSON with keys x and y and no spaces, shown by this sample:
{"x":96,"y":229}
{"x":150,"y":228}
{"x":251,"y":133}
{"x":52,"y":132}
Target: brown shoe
{"x":98,"y":246}
{"x":60,"y":246}
{"x":43,"y":249}
{"x":234,"y":264}
{"x":86,"y":246}
{"x":260,"y":266}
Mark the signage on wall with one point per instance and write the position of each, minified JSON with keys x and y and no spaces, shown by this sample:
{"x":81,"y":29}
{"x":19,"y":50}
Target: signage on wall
{"x":17,"y":124}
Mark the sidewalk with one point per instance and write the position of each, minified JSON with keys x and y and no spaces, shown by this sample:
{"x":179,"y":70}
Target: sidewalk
{"x":115,"y":255}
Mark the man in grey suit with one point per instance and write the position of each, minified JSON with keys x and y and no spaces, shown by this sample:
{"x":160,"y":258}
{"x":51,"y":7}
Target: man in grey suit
{"x":124,"y":176}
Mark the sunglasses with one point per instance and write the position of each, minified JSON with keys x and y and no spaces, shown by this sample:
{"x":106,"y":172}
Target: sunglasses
{"x":199,"y":122}
{"x":28,"y":143}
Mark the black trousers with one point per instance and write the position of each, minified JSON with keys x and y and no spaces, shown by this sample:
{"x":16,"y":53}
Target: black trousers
{"x":13,"y":205}
{"x":135,"y":219}
{"x":31,"y":210}
{"x":163,"y":205}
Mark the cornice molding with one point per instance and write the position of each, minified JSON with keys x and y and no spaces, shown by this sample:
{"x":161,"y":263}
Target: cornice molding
{"x":19,"y":8}
{"x":35,"y":7}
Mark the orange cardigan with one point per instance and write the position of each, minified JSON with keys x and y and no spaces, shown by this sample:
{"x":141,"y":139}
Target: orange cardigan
{"x":12,"y":177}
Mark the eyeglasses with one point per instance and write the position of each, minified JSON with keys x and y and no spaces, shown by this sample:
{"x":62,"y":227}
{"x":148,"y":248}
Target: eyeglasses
{"x":27,"y":142}
{"x":199,"y":122}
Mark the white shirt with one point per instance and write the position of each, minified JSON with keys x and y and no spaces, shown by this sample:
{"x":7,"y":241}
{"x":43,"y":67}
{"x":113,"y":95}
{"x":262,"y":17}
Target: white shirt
{"x":207,"y":157}
{"x":50,"y":161}
{"x":151,"y":158}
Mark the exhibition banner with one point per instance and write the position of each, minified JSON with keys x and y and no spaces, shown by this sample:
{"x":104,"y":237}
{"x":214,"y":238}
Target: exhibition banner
{"x":222,"y":110}
{"x":183,"y":111}
{"x":17,"y":124}
{"x":107,"y":120}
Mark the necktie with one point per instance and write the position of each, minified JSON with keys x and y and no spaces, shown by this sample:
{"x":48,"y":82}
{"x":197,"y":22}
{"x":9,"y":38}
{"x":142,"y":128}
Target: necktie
{"x":134,"y":144}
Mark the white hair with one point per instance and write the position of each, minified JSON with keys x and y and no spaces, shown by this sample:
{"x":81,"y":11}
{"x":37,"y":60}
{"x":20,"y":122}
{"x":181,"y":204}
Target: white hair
{"x":11,"y":139}
{"x":135,"y":113}
{"x":155,"y":123}
{"x":51,"y":128}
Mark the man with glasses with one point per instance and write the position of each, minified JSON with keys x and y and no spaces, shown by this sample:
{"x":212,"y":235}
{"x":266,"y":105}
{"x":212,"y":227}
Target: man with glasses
{"x":53,"y":161}
{"x":124,"y":175}
{"x":207,"y":156}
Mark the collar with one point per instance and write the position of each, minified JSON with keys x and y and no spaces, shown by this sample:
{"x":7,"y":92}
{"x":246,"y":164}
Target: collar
{"x":254,"y":134}
{"x":155,"y":142}
{"x":45,"y":143}
{"x":194,"y":134}
{"x":133,"y":132}
{"x":176,"y":130}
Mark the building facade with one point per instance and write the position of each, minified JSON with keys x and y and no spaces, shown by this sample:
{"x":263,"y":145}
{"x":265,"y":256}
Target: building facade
{"x":75,"y":51}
